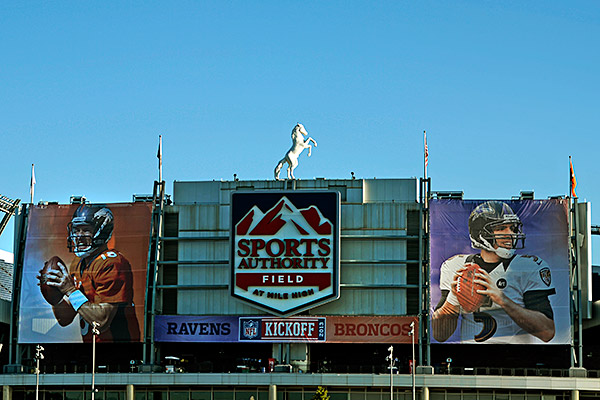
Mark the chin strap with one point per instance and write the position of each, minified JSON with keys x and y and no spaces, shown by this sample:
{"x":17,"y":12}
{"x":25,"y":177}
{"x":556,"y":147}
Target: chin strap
{"x":500,"y":251}
{"x":504,"y":253}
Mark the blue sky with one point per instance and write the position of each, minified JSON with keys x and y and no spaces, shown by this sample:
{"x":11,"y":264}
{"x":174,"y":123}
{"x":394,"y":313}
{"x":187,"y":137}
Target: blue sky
{"x":506,"y":90}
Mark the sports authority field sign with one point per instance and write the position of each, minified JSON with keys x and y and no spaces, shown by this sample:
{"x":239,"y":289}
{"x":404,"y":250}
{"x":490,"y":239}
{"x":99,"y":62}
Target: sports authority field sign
{"x":285,"y":249}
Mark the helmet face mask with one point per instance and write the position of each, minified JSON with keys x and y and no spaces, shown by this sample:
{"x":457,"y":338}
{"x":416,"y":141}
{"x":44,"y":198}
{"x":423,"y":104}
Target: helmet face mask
{"x":488,"y":225}
{"x":81,"y":239}
{"x":90,"y":228}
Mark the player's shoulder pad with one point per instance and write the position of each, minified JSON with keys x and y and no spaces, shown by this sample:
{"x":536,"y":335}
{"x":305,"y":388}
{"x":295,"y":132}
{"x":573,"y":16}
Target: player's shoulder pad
{"x":528,"y":261}
{"x":458,"y":258}
{"x":110,"y":256}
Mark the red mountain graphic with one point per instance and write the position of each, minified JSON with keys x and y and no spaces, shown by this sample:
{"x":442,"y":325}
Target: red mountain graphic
{"x":307,"y":221}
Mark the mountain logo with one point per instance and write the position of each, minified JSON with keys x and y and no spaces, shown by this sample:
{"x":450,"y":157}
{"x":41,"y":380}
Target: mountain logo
{"x":284,"y":249}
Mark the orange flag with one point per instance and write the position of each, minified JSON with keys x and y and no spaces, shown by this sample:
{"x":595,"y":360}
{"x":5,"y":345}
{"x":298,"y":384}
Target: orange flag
{"x":573,"y":181}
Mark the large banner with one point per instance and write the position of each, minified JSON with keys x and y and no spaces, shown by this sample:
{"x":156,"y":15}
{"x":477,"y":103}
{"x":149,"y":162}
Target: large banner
{"x":182,"y":328}
{"x":84,"y":264}
{"x":499,"y":272}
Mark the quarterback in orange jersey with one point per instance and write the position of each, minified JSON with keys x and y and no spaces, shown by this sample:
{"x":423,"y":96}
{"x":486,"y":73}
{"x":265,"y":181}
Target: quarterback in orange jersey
{"x":99,"y":282}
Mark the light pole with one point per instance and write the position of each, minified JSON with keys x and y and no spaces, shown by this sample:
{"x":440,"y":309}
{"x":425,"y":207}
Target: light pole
{"x":38,"y":356}
{"x":412,"y":369}
{"x":391,"y":358}
{"x":95,"y":333}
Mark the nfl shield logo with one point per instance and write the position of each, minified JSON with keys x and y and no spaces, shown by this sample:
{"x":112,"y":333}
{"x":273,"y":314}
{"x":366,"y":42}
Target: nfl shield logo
{"x":546,"y":276}
{"x":250,"y":329}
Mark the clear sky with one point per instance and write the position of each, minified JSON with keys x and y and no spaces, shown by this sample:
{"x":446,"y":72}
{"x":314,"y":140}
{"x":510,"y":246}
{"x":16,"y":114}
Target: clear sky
{"x":506,"y":91}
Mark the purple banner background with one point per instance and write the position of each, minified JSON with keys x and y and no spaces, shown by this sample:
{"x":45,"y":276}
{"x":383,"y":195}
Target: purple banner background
{"x":183,"y":328}
{"x":545,"y":226}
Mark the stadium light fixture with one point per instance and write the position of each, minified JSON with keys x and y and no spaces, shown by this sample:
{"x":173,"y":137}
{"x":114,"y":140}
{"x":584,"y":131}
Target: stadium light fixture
{"x":38,"y":356}
{"x":8,"y":206}
{"x":95,"y":333}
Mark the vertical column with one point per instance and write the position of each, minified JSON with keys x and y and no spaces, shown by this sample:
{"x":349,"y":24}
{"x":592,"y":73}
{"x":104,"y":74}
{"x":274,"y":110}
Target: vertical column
{"x":130,"y":392}
{"x":7,"y":392}
{"x":574,"y":395}
{"x":272,"y":392}
{"x":425,"y":393}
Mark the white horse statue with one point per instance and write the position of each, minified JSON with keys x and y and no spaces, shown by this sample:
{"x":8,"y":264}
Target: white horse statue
{"x":298,"y":145}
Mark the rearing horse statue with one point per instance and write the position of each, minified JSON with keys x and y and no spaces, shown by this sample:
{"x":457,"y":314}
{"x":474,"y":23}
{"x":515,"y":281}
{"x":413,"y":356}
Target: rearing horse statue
{"x":298,"y":145}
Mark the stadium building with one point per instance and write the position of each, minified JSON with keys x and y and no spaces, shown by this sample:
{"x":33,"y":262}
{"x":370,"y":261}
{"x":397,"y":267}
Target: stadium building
{"x":267,"y":290}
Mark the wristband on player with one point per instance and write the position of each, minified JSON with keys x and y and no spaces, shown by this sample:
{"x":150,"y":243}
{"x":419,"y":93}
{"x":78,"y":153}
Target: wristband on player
{"x":77,"y":299}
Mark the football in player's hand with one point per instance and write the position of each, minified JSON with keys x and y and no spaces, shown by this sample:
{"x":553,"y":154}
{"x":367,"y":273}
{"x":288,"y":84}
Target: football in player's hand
{"x":466,"y":289}
{"x":50,"y":293}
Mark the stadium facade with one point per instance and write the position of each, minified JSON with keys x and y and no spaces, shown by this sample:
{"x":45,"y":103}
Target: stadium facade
{"x":269,"y":289}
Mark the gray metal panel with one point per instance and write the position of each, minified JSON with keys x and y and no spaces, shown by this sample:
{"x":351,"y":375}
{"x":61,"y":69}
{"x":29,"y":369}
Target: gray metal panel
{"x":372,"y":216}
{"x":359,"y":301}
{"x":5,"y":307}
{"x":204,"y":212}
{"x":196,"y":192}
{"x":389,"y":190}
{"x":373,"y":274}
{"x":212,"y":302}
{"x":354,"y":195}
{"x":203,"y":217}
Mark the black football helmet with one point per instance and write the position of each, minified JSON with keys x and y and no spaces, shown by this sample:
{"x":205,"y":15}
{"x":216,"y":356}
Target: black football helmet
{"x":488,"y":216}
{"x":99,"y":221}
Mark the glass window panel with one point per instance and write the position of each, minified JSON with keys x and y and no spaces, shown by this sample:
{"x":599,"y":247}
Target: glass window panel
{"x":140,"y":394}
{"x":486,"y":396}
{"x":18,"y":395}
{"x":179,"y":395}
{"x":157,"y":395}
{"x":203,"y":396}
{"x":78,"y":395}
{"x":338,"y":396}
{"x":294,"y":396}
{"x":114,"y":395}
{"x":223,"y":396}
{"x":98,"y":396}
{"x":407,"y":395}
{"x":245,"y":395}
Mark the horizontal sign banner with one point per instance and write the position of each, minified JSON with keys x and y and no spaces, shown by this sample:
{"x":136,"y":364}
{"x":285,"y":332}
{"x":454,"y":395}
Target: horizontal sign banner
{"x":180,"y":328}
{"x":320,"y":280}
{"x":288,"y":329}
{"x":371,"y":329}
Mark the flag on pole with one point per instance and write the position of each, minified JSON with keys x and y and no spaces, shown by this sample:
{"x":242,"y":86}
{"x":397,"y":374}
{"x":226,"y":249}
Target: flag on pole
{"x":572,"y":181}
{"x":426,"y":153}
{"x":159,"y":155}
{"x":32,"y":183}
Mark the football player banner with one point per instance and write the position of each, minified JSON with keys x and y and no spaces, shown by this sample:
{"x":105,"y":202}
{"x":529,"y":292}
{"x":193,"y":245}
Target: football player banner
{"x":499,"y":272}
{"x":100,"y":252}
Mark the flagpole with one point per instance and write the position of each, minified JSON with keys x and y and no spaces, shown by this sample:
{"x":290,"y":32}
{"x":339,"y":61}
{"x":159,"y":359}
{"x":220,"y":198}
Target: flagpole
{"x":32,"y":184}
{"x":159,"y":155}
{"x":425,"y":155}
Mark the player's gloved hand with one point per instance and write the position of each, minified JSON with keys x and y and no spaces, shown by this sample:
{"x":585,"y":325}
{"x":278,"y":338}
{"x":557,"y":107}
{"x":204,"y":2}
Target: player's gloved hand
{"x":491,"y":290}
{"x":60,"y":279}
